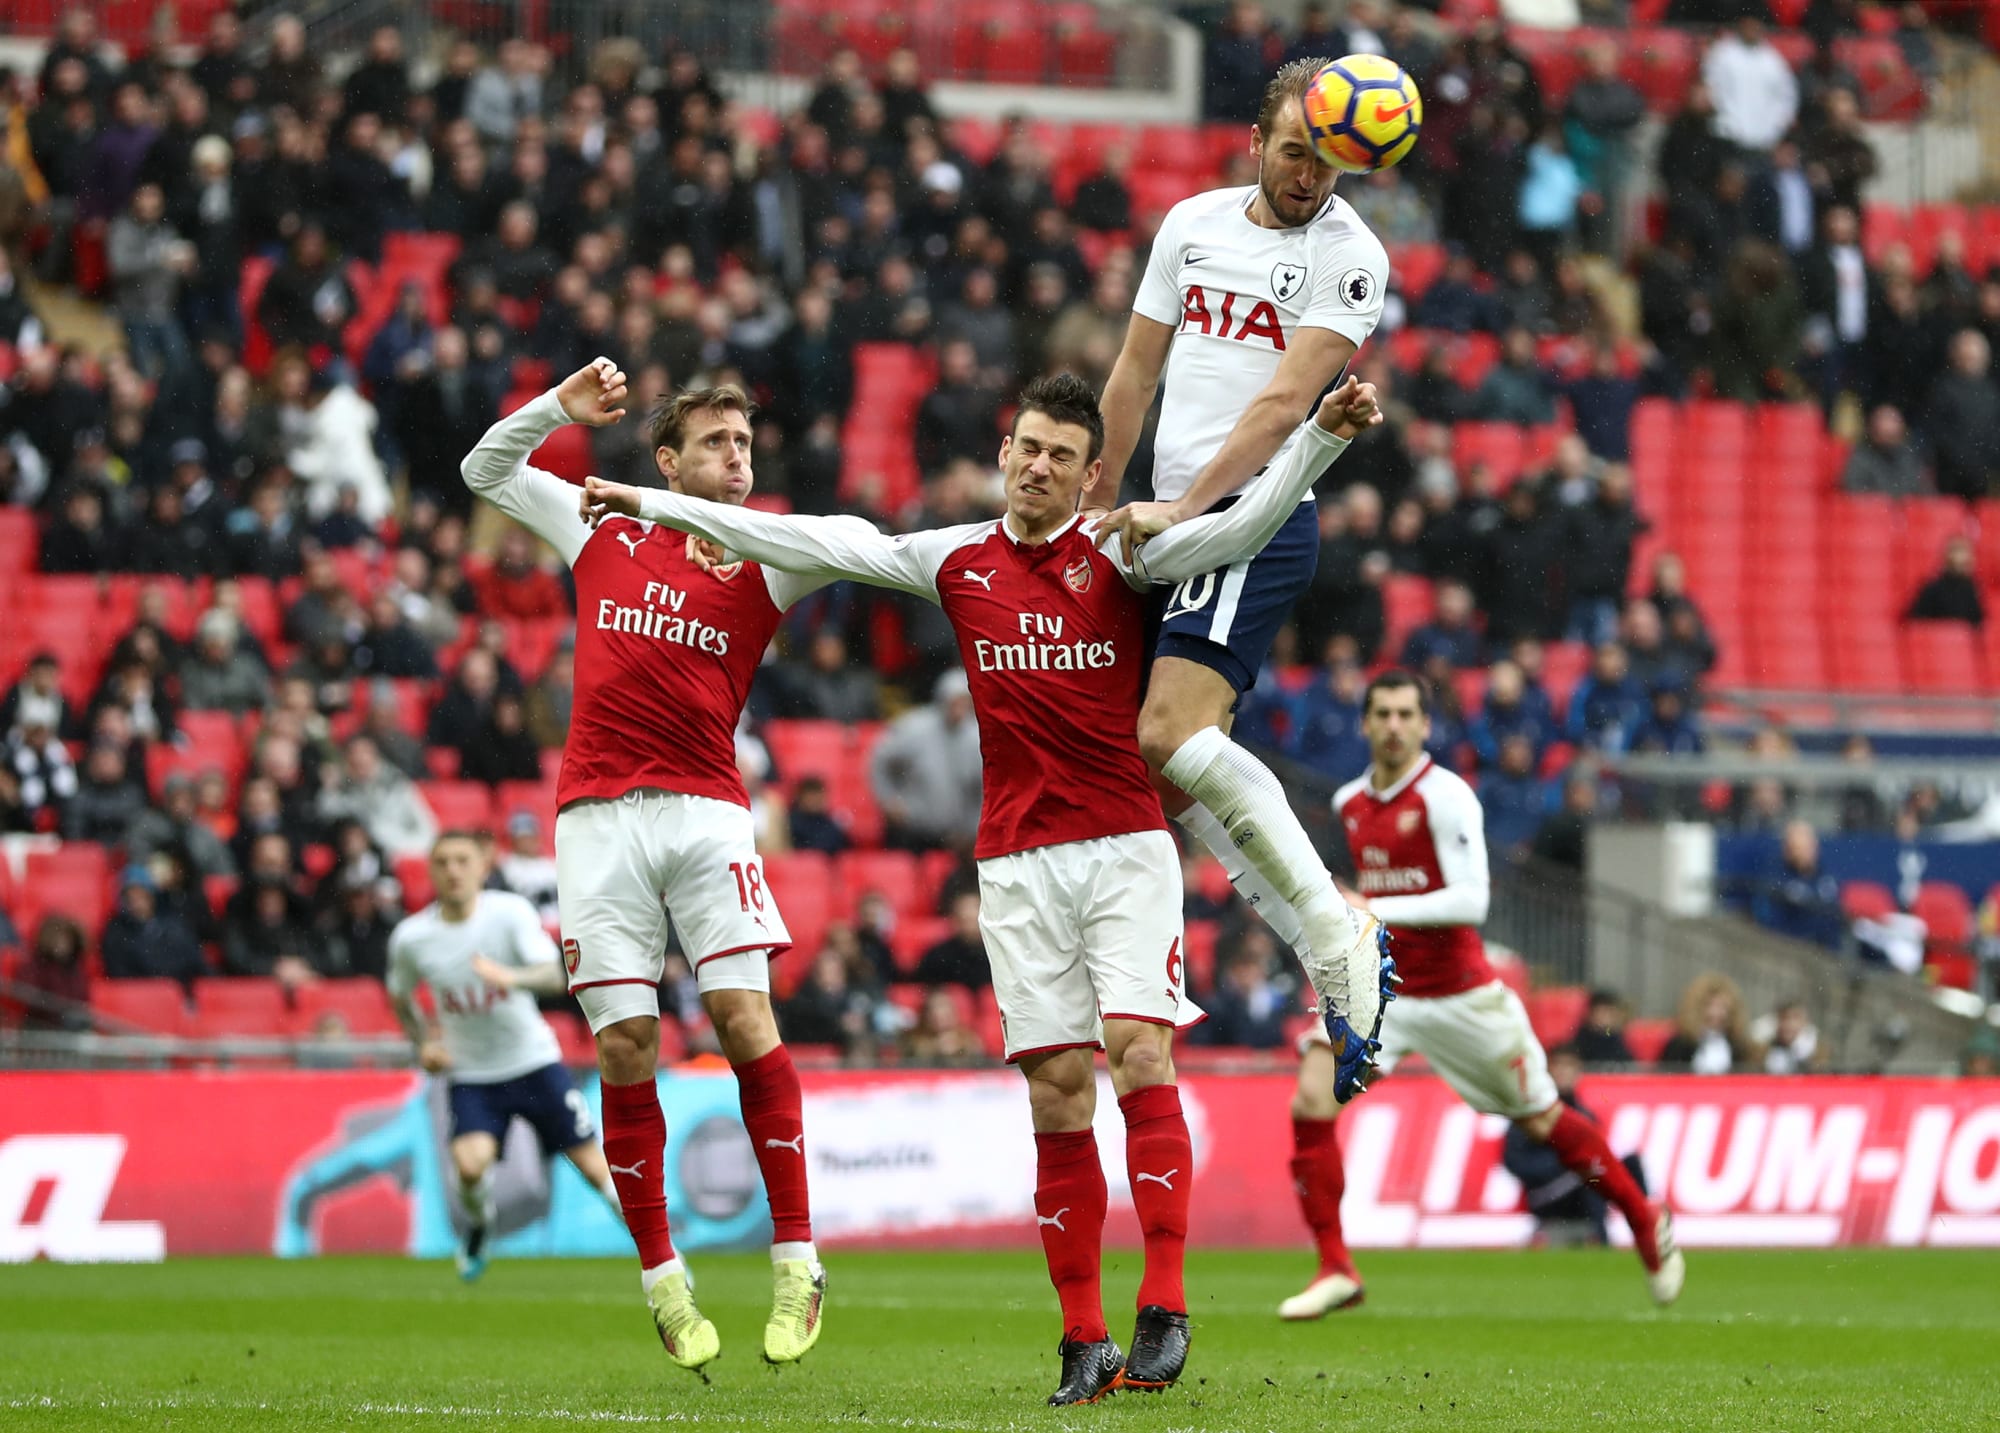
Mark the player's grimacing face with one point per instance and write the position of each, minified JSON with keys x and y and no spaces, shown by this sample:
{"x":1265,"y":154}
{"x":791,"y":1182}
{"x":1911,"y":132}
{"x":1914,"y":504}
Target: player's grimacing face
{"x":1395,"y":725}
{"x":1046,"y":463}
{"x":713,"y":460}
{"x":1289,"y":170}
{"x":458,"y":869}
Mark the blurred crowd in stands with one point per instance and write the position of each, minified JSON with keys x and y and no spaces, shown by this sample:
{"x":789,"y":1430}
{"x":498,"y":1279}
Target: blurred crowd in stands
{"x":300,"y":474}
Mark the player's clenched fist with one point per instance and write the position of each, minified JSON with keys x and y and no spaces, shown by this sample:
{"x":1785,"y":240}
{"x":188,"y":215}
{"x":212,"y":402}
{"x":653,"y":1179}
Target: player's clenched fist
{"x":1349,"y":409}
{"x":591,"y":395}
{"x":602,"y":500}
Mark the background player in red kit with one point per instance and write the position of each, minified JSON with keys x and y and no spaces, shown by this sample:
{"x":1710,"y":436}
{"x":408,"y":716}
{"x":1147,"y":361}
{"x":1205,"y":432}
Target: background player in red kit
{"x":652,"y":809}
{"x":1418,"y":839}
{"x":1079,"y":880}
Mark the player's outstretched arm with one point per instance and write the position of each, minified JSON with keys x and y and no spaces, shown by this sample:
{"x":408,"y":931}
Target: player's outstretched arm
{"x":1315,"y":359}
{"x":543,"y":978}
{"x":497,"y":468}
{"x":829,"y":547}
{"x":1215,"y":540}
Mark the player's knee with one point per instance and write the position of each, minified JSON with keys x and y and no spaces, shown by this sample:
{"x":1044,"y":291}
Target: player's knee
{"x":628,"y":1051}
{"x":744,"y":1025}
{"x":1312,"y":1096}
{"x":1144,"y":1059}
{"x":471,"y":1160}
{"x":1162,"y":732}
{"x":1062,"y":1090}
{"x":1539,"y":1127}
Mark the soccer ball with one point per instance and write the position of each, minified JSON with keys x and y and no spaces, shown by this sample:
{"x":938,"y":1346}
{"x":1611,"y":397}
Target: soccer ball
{"x":1363,"y":112}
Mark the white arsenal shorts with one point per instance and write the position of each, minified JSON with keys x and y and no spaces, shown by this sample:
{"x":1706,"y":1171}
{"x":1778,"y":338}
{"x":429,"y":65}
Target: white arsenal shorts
{"x":1479,"y":1041}
{"x":623,"y":865}
{"x":1083,"y":932}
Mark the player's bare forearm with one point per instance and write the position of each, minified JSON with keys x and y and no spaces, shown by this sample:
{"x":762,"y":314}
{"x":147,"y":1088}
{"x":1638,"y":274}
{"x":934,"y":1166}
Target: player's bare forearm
{"x":542,"y":978}
{"x":1128,"y":396}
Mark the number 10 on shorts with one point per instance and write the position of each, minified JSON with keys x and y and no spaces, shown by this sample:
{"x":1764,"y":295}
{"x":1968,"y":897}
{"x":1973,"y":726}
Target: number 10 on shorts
{"x":749,"y":883}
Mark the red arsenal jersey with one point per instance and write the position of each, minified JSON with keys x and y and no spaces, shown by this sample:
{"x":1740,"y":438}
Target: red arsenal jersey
{"x":665,"y":652}
{"x":1052,"y":639}
{"x":1419,"y":852}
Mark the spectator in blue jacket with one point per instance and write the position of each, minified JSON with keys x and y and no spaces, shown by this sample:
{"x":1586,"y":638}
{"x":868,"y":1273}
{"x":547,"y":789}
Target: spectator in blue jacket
{"x":1602,"y":402}
{"x":1512,"y":709}
{"x":1671,"y":728}
{"x":1455,"y":302}
{"x":1326,"y":723}
{"x":1517,"y":389}
{"x":1513,"y":797}
{"x":1449,"y":634}
{"x":1800,"y":899}
{"x":1248,"y":1008}
{"x":1608,"y":706}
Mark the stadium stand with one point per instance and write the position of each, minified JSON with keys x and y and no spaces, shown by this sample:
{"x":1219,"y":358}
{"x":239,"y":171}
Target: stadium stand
{"x":692,"y":247}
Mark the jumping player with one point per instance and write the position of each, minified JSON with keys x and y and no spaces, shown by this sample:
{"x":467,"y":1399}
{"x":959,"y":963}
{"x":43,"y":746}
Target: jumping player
{"x":652,"y":809}
{"x":1079,"y":882}
{"x":485,"y":956}
{"x":1260,"y":297}
{"x":1418,"y":839}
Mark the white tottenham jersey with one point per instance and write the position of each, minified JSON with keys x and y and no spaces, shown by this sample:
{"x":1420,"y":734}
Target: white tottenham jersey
{"x":491,"y":1034}
{"x":1235,"y":293}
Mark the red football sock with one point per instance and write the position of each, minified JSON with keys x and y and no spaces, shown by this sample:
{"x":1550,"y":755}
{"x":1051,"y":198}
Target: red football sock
{"x":774,"y":1115}
{"x":1580,"y":1145}
{"x":1159,"y":1161}
{"x":1069,"y":1206}
{"x":1320,"y":1179}
{"x":635,"y":1146}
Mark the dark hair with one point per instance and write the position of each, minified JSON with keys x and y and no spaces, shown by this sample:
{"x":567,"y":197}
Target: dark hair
{"x":1067,"y":399}
{"x":1290,"y":83}
{"x":459,"y":833}
{"x":667,"y":423}
{"x":1395,"y":679}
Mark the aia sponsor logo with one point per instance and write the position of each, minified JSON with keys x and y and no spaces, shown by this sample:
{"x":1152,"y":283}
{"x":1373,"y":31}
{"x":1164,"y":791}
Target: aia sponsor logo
{"x":1214,"y":312}
{"x":1078,"y":575}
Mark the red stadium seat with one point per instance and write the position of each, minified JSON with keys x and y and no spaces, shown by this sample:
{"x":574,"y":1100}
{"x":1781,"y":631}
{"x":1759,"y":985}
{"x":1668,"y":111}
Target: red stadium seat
{"x":913,"y":937}
{"x":240,"y":1006}
{"x":893,"y":873}
{"x":459,"y":805}
{"x":415,"y":874}
{"x":1647,"y":1039}
{"x":1198,"y":939}
{"x":361,"y":1003}
{"x":802,"y":884}
{"x":1557,"y":1013}
{"x":1943,"y":659}
{"x":156,"y":1006}
{"x":1946,"y":912}
{"x":1866,"y":900}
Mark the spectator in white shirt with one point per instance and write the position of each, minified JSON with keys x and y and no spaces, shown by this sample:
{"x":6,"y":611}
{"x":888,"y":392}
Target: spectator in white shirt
{"x":1756,"y":94}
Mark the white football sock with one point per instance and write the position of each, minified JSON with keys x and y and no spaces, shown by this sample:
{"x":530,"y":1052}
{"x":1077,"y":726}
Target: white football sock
{"x":1250,"y":806}
{"x":652,"y":1276}
{"x":476,"y":1197}
{"x":795,"y":1249}
{"x":1250,"y":884}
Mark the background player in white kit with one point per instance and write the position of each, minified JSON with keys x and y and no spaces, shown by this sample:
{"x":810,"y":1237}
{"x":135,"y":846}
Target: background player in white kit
{"x":653,"y":810}
{"x":1080,"y":884}
{"x":1418,"y":838}
{"x":485,"y":957}
{"x":1259,"y":296}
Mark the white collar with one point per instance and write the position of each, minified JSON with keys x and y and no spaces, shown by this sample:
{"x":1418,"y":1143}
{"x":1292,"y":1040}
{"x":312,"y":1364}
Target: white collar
{"x":1006,"y":526}
{"x":1409,"y":779}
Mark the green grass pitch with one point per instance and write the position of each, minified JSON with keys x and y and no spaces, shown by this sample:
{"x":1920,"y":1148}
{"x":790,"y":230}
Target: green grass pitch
{"x":1538,"y":1340}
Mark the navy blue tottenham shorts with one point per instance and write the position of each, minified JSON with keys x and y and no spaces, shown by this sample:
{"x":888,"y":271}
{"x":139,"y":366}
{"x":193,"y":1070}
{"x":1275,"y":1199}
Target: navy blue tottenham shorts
{"x":545,"y":1098}
{"x":1227,"y":619}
